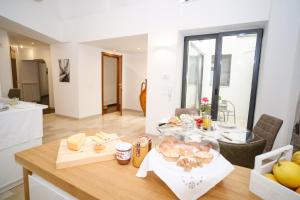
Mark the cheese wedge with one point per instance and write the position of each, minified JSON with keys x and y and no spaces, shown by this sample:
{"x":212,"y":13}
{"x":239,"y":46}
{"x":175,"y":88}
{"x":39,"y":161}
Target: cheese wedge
{"x":76,"y":141}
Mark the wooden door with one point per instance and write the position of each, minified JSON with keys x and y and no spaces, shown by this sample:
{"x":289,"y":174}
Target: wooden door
{"x":118,"y":83}
{"x":14,"y":72}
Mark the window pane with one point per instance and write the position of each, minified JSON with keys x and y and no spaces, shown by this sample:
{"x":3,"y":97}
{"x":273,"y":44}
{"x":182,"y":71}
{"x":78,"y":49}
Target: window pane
{"x":198,"y":77}
{"x":236,"y":78}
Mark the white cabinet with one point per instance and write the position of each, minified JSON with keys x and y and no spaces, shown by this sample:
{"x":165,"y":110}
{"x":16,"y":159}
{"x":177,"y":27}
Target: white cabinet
{"x":21,"y":127}
{"x":39,"y":189}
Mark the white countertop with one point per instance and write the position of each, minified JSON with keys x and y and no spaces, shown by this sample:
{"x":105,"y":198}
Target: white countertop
{"x":20,"y":123}
{"x":21,"y":106}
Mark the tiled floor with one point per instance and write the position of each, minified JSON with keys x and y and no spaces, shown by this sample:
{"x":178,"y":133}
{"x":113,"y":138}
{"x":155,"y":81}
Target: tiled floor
{"x":57,"y":127}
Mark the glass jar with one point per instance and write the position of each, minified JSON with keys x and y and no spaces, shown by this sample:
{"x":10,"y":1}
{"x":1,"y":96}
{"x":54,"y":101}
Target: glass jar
{"x":207,"y":122}
{"x":140,"y":149}
{"x":188,"y":122}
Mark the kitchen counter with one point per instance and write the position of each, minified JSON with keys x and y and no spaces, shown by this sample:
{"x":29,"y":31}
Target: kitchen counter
{"x":21,"y":127}
{"x":109,"y":180}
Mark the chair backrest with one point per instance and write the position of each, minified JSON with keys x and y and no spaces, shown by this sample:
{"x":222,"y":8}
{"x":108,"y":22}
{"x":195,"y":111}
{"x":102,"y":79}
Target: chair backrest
{"x":14,"y":93}
{"x":242,"y":154}
{"x":191,"y":111}
{"x":267,"y":127}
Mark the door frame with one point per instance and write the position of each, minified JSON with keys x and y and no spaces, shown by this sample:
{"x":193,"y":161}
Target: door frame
{"x":119,"y":80}
{"x":217,"y":69}
{"x":13,"y":63}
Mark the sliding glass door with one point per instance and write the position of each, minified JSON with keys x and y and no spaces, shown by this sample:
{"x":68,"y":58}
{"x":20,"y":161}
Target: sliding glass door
{"x":224,"y":68}
{"x":197,"y":74}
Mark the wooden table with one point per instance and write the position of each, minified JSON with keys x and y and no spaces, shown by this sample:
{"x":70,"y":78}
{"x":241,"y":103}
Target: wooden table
{"x":109,"y":180}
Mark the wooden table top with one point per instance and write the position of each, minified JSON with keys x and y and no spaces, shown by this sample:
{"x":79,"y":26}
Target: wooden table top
{"x":109,"y":180}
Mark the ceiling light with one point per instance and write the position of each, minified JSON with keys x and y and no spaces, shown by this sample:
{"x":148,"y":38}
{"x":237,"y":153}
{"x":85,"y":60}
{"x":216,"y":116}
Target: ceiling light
{"x":21,"y":46}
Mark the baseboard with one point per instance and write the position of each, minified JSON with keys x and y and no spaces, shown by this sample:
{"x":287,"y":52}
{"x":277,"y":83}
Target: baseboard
{"x":60,"y":115}
{"x":128,"y":109}
{"x":78,"y":118}
{"x":11,"y":185}
{"x":99,"y":114}
{"x":86,"y":117}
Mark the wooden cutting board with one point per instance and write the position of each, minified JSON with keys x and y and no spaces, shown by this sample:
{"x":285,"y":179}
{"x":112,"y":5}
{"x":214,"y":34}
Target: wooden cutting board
{"x":68,"y":158}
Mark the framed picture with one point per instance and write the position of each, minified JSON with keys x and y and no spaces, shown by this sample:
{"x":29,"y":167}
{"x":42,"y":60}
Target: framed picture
{"x":64,"y":70}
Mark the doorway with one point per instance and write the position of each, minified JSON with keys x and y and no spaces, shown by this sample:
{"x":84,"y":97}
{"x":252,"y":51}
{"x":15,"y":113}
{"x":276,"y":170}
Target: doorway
{"x":224,"y":68}
{"x":111,"y":70}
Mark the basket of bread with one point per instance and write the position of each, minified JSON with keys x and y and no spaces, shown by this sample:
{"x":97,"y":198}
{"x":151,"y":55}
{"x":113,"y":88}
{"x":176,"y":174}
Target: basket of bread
{"x":188,"y":155}
{"x":190,"y":168}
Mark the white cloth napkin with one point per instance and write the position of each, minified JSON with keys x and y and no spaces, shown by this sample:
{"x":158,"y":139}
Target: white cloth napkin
{"x":186,"y":185}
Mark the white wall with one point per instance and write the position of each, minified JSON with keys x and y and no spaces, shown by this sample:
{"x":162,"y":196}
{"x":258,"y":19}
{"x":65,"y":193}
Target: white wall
{"x":162,"y":69}
{"x":38,"y":52}
{"x":278,"y":87}
{"x":5,"y":65}
{"x":81,"y":96}
{"x":135,"y":69}
{"x":29,"y":74}
{"x":66,"y":94}
{"x":90,"y":102}
{"x":110,"y":70}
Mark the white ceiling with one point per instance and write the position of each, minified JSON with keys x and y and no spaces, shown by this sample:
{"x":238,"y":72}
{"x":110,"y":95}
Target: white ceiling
{"x":21,"y":40}
{"x":129,"y":44}
{"x":78,"y":8}
{"x":19,"y":33}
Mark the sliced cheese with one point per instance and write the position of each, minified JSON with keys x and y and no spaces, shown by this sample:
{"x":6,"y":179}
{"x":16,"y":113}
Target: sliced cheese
{"x":107,"y":137}
{"x":76,"y":141}
{"x":97,"y":139}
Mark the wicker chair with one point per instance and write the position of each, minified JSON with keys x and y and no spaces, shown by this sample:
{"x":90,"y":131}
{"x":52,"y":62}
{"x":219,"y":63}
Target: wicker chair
{"x":242,"y":154}
{"x":267,"y":128}
{"x":191,"y":111}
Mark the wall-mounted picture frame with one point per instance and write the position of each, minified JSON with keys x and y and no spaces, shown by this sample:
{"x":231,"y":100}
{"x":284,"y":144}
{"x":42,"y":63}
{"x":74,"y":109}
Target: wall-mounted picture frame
{"x":64,"y":70}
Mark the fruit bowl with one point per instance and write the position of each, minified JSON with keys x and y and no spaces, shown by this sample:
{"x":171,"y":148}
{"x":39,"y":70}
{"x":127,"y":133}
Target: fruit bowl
{"x":262,"y":185}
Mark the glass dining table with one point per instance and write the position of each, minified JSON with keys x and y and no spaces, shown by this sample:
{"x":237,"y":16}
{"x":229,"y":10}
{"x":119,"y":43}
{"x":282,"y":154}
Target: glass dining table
{"x":218,"y":131}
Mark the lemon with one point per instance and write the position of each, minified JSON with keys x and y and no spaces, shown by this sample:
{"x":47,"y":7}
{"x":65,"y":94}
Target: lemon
{"x":270,"y":176}
{"x":287,"y":173}
{"x":296,"y":157}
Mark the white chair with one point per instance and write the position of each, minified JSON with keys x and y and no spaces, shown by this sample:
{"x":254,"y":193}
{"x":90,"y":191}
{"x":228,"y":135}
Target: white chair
{"x":227,"y":109}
